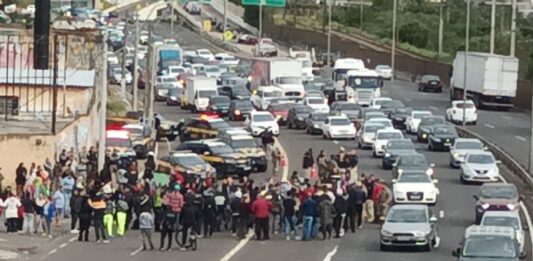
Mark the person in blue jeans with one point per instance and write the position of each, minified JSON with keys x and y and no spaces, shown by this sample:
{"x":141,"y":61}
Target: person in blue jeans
{"x":309,"y":212}
{"x":67,"y":185}
{"x":289,"y":215}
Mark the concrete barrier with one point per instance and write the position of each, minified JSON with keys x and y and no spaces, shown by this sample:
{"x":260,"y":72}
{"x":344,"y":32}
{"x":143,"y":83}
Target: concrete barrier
{"x":506,"y":159}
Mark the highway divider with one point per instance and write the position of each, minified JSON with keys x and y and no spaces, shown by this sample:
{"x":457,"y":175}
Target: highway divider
{"x":507,"y":160}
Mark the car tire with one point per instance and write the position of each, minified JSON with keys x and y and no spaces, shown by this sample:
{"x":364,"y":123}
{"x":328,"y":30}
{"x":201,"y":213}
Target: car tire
{"x":474,"y":123}
{"x":289,"y":125}
{"x":262,"y":168}
{"x":374,"y":154}
{"x":430,"y":146}
{"x":324,"y":136}
{"x":463,"y":181}
{"x":383,"y":247}
{"x":439,"y":90}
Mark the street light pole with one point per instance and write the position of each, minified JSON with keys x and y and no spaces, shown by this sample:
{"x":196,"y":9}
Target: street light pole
{"x":123,"y":80}
{"x":136,"y":65}
{"x":362,"y":5}
{"x":513,"y":28}
{"x":225,"y":20}
{"x":103,"y":107}
{"x":467,"y":46}
{"x":393,"y":47}
{"x":329,"y":3}
{"x":260,"y":21}
{"x":492,"y":25}
{"x":441,"y":28}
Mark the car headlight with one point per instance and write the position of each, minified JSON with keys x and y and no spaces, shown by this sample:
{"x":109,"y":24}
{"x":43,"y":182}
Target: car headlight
{"x":485,"y":205}
{"x":511,"y":207}
{"x":430,"y":172}
{"x":400,"y":171}
{"x":437,"y":139}
{"x":300,"y":118}
{"x":424,"y":135}
{"x":316,"y":126}
{"x":385,"y":232}
{"x":398,"y":192}
{"x":456,"y":155}
{"x":278,"y":116}
{"x":174,"y":98}
{"x":420,"y":234}
{"x":387,"y":155}
{"x":366,"y":139}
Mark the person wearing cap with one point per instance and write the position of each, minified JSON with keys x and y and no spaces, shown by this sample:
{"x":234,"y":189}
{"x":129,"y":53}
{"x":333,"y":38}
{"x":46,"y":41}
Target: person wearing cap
{"x":174,"y":200}
{"x":261,"y":209}
{"x":308,"y":162}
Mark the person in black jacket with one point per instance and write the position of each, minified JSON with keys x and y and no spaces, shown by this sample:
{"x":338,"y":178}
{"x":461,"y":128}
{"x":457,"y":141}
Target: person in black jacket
{"x":149,"y":166}
{"x":341,"y":207}
{"x":209,"y":212}
{"x":356,"y":199}
{"x":75,"y":208}
{"x":308,"y":162}
{"x":169,"y":225}
{"x":189,"y":216}
{"x":85,"y":215}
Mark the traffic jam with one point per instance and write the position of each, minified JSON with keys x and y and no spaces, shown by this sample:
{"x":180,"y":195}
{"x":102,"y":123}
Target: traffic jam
{"x":236,"y":101}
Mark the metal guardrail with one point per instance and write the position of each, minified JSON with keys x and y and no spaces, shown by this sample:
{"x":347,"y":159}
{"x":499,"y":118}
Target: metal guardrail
{"x":514,"y":166}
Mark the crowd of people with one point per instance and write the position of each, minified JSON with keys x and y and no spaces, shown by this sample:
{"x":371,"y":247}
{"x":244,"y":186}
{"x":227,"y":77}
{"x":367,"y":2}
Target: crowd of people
{"x":330,"y":198}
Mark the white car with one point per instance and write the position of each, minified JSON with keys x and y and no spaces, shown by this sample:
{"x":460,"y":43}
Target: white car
{"x":259,"y":121}
{"x":382,"y":138}
{"x":212,"y":71}
{"x":415,"y":187}
{"x":263,"y":95}
{"x":338,"y":127}
{"x":206,"y":54}
{"x":387,"y":123}
{"x":384,"y":71}
{"x":506,"y":219}
{"x":168,"y":80}
{"x":225,"y":58}
{"x":378,"y":101}
{"x":480,"y":167}
{"x":318,"y":104}
{"x":463,"y":146}
{"x":414,"y":119}
{"x":112,"y":58}
{"x":367,"y":134}
{"x":174,"y":71}
{"x":459,"y":109}
{"x":197,"y":69}
{"x":117,"y":76}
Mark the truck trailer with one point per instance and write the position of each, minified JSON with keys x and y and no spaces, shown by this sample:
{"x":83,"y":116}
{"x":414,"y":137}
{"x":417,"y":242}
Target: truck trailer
{"x":490,"y":79}
{"x":265,"y":71}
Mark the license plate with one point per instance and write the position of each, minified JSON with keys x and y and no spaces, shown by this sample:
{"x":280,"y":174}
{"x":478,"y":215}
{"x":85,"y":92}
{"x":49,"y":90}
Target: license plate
{"x":175,"y":132}
{"x":416,"y":197}
{"x":403,"y":238}
{"x":447,"y":144}
{"x":247,"y":168}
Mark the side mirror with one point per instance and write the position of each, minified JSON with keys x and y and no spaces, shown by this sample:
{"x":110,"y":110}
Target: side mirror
{"x":456,"y":252}
{"x":432,"y":165}
{"x":525,"y":227}
{"x":523,"y":255}
{"x":498,"y":162}
{"x":394,"y":181}
{"x":435,"y":181}
{"x":433,"y":219}
{"x":476,"y":197}
{"x":206,"y":153}
{"x":486,"y":148}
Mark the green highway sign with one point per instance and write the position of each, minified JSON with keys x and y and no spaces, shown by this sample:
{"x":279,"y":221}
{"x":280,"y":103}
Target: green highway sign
{"x":270,"y":3}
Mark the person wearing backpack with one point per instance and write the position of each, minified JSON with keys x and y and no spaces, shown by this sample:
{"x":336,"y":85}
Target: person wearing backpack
{"x":123,"y":207}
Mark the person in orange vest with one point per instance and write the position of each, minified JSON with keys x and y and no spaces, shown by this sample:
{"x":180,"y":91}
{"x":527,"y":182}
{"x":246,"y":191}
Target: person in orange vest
{"x":99,"y":205}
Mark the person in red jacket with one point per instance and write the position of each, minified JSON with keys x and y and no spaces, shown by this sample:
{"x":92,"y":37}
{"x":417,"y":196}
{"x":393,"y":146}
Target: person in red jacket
{"x":261,"y":209}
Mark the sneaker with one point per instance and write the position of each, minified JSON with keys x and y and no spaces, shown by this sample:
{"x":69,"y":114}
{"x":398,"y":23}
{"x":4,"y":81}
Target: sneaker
{"x":162,"y":249}
{"x":297,"y":238}
{"x":288,"y":238}
{"x":98,"y":241}
{"x":360,"y":227}
{"x":183,"y":249}
{"x":106,"y":241}
{"x":50,"y":236}
{"x":74,"y":231}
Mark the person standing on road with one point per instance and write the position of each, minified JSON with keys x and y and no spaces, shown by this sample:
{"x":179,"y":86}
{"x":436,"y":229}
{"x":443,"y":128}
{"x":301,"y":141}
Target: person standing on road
{"x":109,"y":214}
{"x":289,"y":215}
{"x":20,"y":180}
{"x":67,"y":183}
{"x":384,"y":200}
{"x":341,"y":207}
{"x":75,"y":208}
{"x":99,"y":206}
{"x":368,"y":206}
{"x":308,"y":162}
{"x":85,"y":215}
{"x":149,"y":166}
{"x":353,"y":161}
{"x":11,"y":205}
{"x":59,"y":200}
{"x":209,"y":212}
{"x":327,"y":213}
{"x":235,"y":206}
{"x":322,"y":165}
{"x":49,"y":212}
{"x":170,"y":220}
{"x":309,"y":212}
{"x":277,"y":205}
{"x":146,"y":224}
{"x":276,"y":160}
{"x":174,"y":200}
{"x":27,"y":202}
{"x":189,"y":216}
{"x":357,"y":198}
{"x":261,"y":209}
{"x":244,"y":216}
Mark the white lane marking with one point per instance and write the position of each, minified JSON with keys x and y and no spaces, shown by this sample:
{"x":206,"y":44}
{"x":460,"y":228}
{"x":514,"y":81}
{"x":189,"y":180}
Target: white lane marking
{"x":52,"y":251}
{"x":63,"y":245}
{"x":433,"y":108}
{"x":72,"y":239}
{"x":528,"y":217}
{"x":3,"y":240}
{"x":331,"y":254}
{"x":238,"y":247}
{"x":520,"y":138}
{"x":136,"y":251}
{"x":489,"y":126}
{"x":507,"y":117}
{"x":408,"y":100}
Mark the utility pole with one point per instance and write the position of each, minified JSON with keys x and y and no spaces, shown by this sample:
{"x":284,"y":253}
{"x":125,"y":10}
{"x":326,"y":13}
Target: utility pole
{"x":225,"y":20}
{"x":123,"y":80}
{"x":362,"y":6}
{"x":65,"y":77}
{"x":103,"y":107}
{"x":135,"y":88}
{"x":171,"y":5}
{"x":441,"y":27}
{"x":329,"y":3}
{"x":54,"y":86}
{"x":492,"y":25}
{"x":513,"y":29}
{"x":151,"y":76}
{"x":467,"y":47}
{"x":261,"y":3}
{"x":393,"y":47}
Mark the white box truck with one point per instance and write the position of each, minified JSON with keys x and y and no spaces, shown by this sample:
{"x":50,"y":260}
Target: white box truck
{"x":491,"y":79}
{"x":198,"y":92}
{"x":265,"y":70}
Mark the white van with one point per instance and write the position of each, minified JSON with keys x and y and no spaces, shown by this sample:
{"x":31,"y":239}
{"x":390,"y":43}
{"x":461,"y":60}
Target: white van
{"x":198,"y":92}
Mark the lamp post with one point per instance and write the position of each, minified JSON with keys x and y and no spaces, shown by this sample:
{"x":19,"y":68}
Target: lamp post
{"x":467,"y":46}
{"x":330,"y":4}
{"x":393,"y":47}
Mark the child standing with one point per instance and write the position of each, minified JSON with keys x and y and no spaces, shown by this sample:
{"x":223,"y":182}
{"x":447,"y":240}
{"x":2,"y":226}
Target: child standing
{"x":146,"y":224}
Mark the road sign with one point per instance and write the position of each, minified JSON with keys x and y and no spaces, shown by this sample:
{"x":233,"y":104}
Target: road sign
{"x":270,"y":3}
{"x":228,"y":35}
{"x":207,"y":25}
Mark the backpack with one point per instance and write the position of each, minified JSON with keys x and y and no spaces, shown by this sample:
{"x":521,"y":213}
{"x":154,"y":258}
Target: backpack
{"x":123,"y":205}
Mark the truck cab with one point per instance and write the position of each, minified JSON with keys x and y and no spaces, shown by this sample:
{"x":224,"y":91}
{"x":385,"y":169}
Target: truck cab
{"x":198,"y":92}
{"x":263,"y":95}
{"x":342,"y":66}
{"x":291,"y":86}
{"x":488,"y":242}
{"x":366,"y":85}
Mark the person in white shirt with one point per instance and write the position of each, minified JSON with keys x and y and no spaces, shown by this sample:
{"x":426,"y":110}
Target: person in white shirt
{"x":11,"y":206}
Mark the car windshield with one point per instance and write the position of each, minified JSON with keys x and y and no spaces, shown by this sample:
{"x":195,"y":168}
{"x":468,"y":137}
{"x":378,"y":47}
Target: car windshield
{"x":385,"y":123}
{"x":187,"y":160}
{"x":175,"y":91}
{"x":280,"y":106}
{"x":243,"y":104}
{"x":289,"y":80}
{"x":414,"y":160}
{"x":414,"y":178}
{"x":212,"y":69}
{"x":389,"y":135}
{"x":221,"y":149}
{"x":303,"y":109}
{"x":489,"y":247}
{"x":445,"y":131}
{"x":400,"y":145}
{"x":481,"y":159}
{"x":272,"y":94}
{"x":382,"y":67}
{"x":219,"y":124}
{"x":432,"y":121}
{"x":245,"y":143}
{"x":500,"y":221}
{"x":115,"y":142}
{"x":319,"y":117}
{"x":421,"y":115}
{"x":373,"y":128}
{"x":262,"y":117}
{"x":392,"y":104}
{"x":431,"y":78}
{"x":375,"y":116}
{"x":207,"y":93}
{"x":465,"y":105}
{"x":468,"y":145}
{"x":407,"y":216}
{"x":315,"y":101}
{"x":505,"y":192}
{"x":340,"y":122}
{"x":168,"y":79}
{"x":177,"y":70}
{"x":349,"y":107}
{"x":381,"y":102}
{"x":220,"y":100}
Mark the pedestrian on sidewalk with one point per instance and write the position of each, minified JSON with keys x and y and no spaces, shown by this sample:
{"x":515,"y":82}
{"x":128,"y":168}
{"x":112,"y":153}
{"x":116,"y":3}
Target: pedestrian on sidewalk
{"x":146,"y":224}
{"x":27,"y":201}
{"x":85,"y":215}
{"x":99,"y":205}
{"x":50,"y":212}
{"x":261,"y":209}
{"x":308,"y":162}
{"x":11,"y":205}
{"x":68,"y":184}
{"x":309,"y":212}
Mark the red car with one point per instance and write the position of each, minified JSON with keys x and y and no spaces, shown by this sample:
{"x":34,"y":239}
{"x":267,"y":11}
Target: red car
{"x":248,"y":39}
{"x":280,"y":111}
